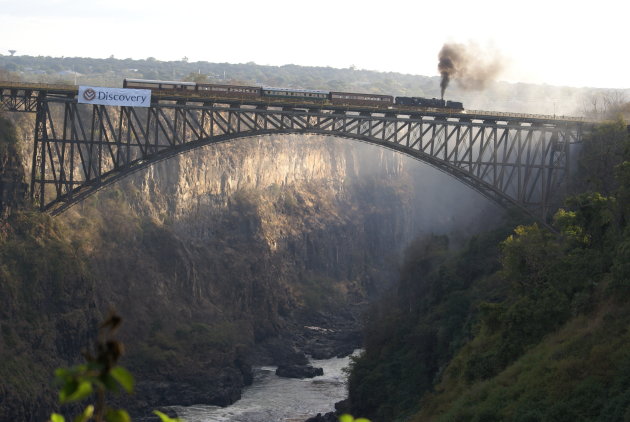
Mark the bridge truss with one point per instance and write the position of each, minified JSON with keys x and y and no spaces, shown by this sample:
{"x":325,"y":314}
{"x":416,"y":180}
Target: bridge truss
{"x":78,"y":148}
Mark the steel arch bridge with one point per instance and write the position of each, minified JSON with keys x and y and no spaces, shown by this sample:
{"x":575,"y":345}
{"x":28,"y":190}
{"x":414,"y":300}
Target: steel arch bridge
{"x":513,"y":159}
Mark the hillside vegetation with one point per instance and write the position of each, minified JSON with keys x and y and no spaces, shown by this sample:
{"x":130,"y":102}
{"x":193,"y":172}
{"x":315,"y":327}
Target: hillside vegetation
{"x":530,"y":326}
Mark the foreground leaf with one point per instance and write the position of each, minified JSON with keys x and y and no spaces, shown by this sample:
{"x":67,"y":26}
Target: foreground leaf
{"x":123,"y":377}
{"x":349,"y":418}
{"x":117,"y":415}
{"x":75,"y":391}
{"x":86,"y":415}
{"x":56,"y":417}
{"x":166,"y":418}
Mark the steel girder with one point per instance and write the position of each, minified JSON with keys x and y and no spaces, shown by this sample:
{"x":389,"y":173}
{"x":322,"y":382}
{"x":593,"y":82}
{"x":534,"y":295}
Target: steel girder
{"x":24,"y":100}
{"x":81,"y":148}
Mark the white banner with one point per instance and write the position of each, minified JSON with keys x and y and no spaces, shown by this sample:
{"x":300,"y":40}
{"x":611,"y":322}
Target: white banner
{"x":114,"y":96}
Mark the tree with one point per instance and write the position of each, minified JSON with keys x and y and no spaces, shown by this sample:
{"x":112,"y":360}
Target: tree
{"x":604,"y":104}
{"x":603,"y":149}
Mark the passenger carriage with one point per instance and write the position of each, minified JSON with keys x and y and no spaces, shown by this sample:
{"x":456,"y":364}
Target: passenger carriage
{"x":351,"y":98}
{"x":232,"y":91}
{"x":161,"y":85}
{"x":295,"y":93}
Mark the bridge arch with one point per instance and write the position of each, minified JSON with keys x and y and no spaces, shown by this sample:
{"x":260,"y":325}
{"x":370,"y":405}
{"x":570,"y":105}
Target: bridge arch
{"x":78,"y":194}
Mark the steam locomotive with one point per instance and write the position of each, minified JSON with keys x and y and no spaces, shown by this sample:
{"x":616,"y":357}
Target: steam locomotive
{"x":251,"y":92}
{"x":429,"y":102}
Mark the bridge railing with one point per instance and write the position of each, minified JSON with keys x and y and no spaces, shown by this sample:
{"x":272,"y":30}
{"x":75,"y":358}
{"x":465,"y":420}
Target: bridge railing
{"x":37,"y":86}
{"x":528,"y":115}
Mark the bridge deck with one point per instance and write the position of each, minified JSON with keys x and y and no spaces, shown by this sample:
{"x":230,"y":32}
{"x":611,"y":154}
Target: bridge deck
{"x":25,"y":91}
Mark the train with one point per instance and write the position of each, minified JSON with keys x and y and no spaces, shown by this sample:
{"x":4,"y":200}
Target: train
{"x":242,"y":92}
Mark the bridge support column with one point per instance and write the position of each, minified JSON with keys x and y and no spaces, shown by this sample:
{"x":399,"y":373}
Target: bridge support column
{"x":38,"y":167}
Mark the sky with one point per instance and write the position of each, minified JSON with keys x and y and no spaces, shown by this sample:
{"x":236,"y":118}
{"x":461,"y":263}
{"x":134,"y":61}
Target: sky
{"x":556,"y":42}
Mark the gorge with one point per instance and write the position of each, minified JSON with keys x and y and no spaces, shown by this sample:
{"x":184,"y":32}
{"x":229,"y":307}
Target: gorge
{"x":258,"y":252}
{"x":216,"y":260}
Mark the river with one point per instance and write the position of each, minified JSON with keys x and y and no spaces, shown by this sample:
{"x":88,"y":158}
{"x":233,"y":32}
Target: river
{"x":274,"y":399}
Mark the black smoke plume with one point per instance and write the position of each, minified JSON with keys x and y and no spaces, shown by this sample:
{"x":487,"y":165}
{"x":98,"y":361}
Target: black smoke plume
{"x":471,"y":66}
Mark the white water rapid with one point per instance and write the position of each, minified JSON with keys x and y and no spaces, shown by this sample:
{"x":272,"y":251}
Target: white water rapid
{"x":274,"y":399}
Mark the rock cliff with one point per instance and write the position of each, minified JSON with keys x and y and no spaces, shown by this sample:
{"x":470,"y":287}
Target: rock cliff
{"x":237,"y":253}
{"x":12,"y":186}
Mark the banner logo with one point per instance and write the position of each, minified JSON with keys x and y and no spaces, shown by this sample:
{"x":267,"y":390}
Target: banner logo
{"x":89,"y":94}
{"x":114,"y":96}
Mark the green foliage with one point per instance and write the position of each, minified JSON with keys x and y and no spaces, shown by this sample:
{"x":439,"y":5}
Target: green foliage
{"x":123,"y":377}
{"x":529,"y":359}
{"x":545,"y":339}
{"x":38,"y":253}
{"x":99,"y":375}
{"x":56,"y":417}
{"x":43,"y":285}
{"x":76,"y":382}
{"x":411,"y":336}
{"x":165,"y":418}
{"x":621,"y":265}
{"x":603,"y":150}
{"x":8,"y":135}
{"x":349,"y":418}
{"x":320,"y":292}
{"x":578,"y":373}
{"x":117,"y":415}
{"x":527,"y":256}
{"x":177,"y":349}
{"x":223,"y":335}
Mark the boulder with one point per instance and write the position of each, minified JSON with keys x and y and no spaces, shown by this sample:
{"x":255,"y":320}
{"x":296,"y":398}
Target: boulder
{"x":328,"y":417}
{"x":298,"y":371}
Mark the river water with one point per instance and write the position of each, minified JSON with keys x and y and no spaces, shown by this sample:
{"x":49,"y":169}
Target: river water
{"x":274,"y":399}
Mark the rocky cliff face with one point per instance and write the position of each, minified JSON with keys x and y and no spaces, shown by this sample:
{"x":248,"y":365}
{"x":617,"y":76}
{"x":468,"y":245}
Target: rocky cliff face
{"x":289,"y":210}
{"x":191,"y":187}
{"x":226,"y":254}
{"x":12,"y":186}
